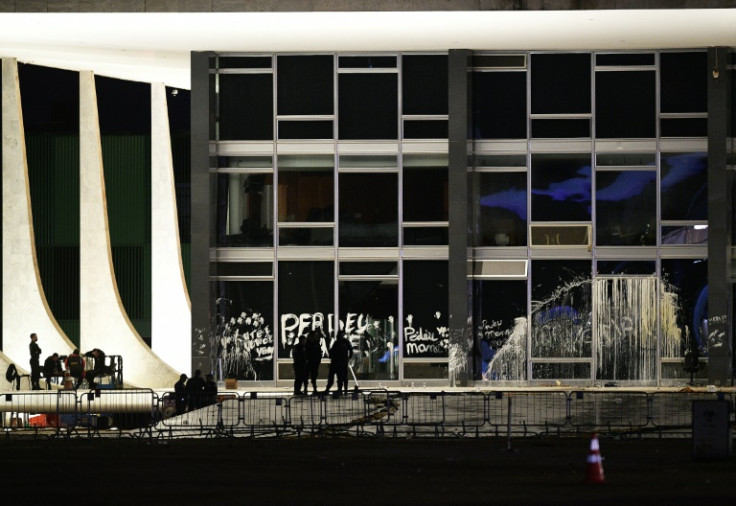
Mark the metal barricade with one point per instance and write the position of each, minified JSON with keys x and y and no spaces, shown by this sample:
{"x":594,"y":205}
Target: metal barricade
{"x":119,"y":409}
{"x":671,"y":412}
{"x":304,"y":413}
{"x":525,"y":412}
{"x":465,"y":413}
{"x":265,"y":414}
{"x":343,"y":412}
{"x":614,"y":411}
{"x":382,"y":409}
{"x":39,"y":410}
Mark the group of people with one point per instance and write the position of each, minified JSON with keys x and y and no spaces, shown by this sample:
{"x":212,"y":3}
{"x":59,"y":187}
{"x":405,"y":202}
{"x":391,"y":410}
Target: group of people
{"x":74,"y":363}
{"x":307,"y":356}
{"x":195,"y":392}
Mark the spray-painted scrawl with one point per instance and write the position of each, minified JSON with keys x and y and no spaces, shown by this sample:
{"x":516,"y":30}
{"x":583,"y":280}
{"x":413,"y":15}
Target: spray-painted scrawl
{"x":243,"y":346}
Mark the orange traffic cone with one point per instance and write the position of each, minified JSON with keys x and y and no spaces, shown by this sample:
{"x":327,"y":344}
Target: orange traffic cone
{"x":594,"y":473}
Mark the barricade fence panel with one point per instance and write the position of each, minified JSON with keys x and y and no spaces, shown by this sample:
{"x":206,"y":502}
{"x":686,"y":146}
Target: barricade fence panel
{"x":377,"y":412}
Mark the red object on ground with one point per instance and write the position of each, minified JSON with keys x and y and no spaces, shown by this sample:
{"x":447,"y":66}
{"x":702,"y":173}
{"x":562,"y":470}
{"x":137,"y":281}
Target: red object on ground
{"x":594,"y":472}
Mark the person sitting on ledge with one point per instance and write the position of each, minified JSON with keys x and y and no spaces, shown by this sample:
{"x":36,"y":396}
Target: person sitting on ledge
{"x":99,"y":368}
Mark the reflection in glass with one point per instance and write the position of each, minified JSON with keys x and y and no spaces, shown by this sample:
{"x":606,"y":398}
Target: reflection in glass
{"x":500,"y":328}
{"x":306,"y":195}
{"x":243,"y":346}
{"x":244,"y":209}
{"x":369,"y":310}
{"x":561,"y":308}
{"x":502,"y":217}
{"x":306,"y":301}
{"x":626,"y":208}
{"x":684,"y":186}
{"x":561,"y":187}
{"x":368,"y":210}
{"x":687,"y":234}
{"x":425,"y":309}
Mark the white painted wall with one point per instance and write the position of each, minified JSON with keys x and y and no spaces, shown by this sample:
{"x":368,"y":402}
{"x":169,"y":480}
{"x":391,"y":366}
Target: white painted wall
{"x":171,"y":309}
{"x":25,"y":307}
{"x":104,"y":323}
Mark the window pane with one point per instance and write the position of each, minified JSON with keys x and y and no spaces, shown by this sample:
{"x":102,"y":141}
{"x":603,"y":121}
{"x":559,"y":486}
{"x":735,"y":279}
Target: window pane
{"x":696,"y":234}
{"x":305,"y":84}
{"x":425,"y":309}
{"x":244,"y":209}
{"x":425,"y":194}
{"x":624,"y":59}
{"x":626,"y":208}
{"x":625,"y":104}
{"x":305,"y":236}
{"x":499,"y":105}
{"x":425,"y":236}
{"x":305,"y":130}
{"x":429,"y":129}
{"x":306,"y":195}
{"x":369,"y":310}
{"x":560,"y":83}
{"x":684,"y":186}
{"x":561,"y":187}
{"x":244,"y":333}
{"x":560,"y":128}
{"x":684,"y":82}
{"x":306,"y":301}
{"x":368,"y":210}
{"x":560,"y":319}
{"x":424,"y":84}
{"x":685,"y":305}
{"x":499,"y":316}
{"x":368,"y":106}
{"x":246,"y":107}
{"x":502,"y":219}
{"x":618,"y":267}
{"x":684,"y":127}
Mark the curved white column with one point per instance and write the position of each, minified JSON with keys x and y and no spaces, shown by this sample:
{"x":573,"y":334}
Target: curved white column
{"x":104,"y":322}
{"x":25,"y":307}
{"x":171,"y":309}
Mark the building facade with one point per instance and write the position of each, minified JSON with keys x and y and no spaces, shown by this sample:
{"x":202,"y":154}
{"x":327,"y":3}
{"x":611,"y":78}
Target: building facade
{"x":465,"y":217}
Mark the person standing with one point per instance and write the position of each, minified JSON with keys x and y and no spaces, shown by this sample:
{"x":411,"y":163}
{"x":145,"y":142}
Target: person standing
{"x":299,"y":356}
{"x":314,"y":358}
{"x":210,"y":390}
{"x":180,"y":395}
{"x":195,"y":389}
{"x":35,"y":365}
{"x":341,"y":352}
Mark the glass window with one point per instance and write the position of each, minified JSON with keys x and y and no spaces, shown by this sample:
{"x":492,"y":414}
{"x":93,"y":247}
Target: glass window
{"x":684,"y":306}
{"x":502,"y":213}
{"x":306,"y":301}
{"x":244,"y":209}
{"x":305,"y":85}
{"x":306,"y":194}
{"x":305,"y":130}
{"x":560,"y":83}
{"x":684,"y":186}
{"x":684,"y":127}
{"x":624,"y":59}
{"x":625,"y":104}
{"x":560,"y":128}
{"x":500,"y":326}
{"x":626,"y":208}
{"x":425,"y":129}
{"x":246,"y":106}
{"x":424,"y":84}
{"x":687,"y":234}
{"x":369,"y":310}
{"x":368,"y":106}
{"x":684,"y":82}
{"x":619,"y":267}
{"x":561,"y":308}
{"x":499,"y":105}
{"x":243,"y":346}
{"x":368,"y":210}
{"x":626,"y":160}
{"x":561,"y":187}
{"x":425,"y":309}
{"x":425,"y":193}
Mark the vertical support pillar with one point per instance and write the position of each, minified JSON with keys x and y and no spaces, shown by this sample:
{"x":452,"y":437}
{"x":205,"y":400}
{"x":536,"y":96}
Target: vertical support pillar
{"x":460,"y":102}
{"x":720,"y":211}
{"x":202,"y":213}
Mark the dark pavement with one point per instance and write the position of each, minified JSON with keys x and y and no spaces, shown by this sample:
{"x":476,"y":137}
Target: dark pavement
{"x":352,"y":471}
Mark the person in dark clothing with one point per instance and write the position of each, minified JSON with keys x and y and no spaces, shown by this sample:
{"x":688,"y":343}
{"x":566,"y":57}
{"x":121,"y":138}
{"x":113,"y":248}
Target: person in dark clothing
{"x":341,"y":352}
{"x":99,"y":368}
{"x":180,"y":395}
{"x":74,"y":363}
{"x":299,"y":355}
{"x":35,"y":364}
{"x":210,"y":390}
{"x":195,"y":391}
{"x":314,"y":357}
{"x":51,"y":368}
